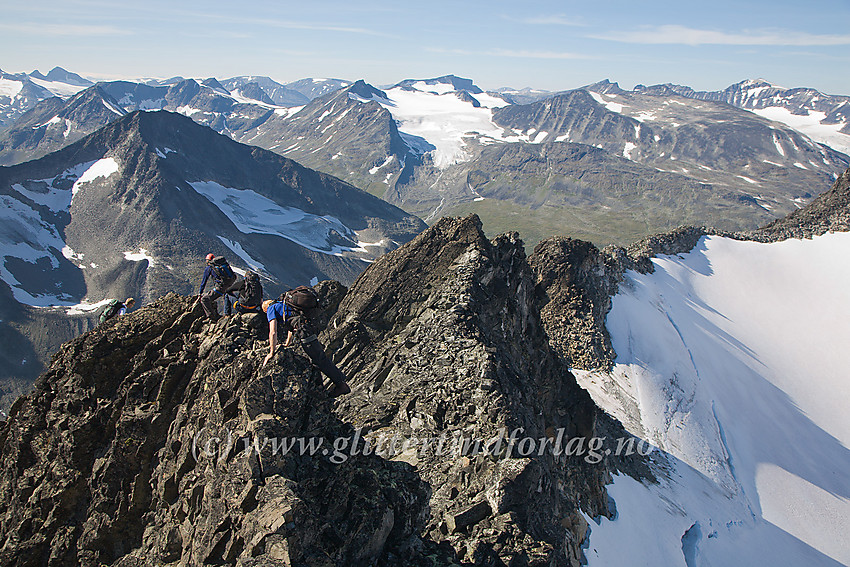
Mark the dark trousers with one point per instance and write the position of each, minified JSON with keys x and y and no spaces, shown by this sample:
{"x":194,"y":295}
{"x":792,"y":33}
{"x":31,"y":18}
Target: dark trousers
{"x":208,"y":299}
{"x":317,"y":354}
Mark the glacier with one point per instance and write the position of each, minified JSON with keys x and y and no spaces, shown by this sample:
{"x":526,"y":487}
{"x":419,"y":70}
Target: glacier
{"x":730,"y":361}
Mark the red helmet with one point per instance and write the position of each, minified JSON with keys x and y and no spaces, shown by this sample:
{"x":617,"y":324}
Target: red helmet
{"x":210,"y":256}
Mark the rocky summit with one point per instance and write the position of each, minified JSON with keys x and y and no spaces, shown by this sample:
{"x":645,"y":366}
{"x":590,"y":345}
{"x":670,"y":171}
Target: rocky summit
{"x":159,"y":438}
{"x":444,"y":340}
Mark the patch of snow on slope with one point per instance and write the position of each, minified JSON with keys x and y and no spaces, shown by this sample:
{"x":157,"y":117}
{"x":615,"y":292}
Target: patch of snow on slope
{"x":85,"y":307}
{"x":729,"y":360}
{"x":43,"y":192}
{"x":152,"y":105}
{"x":251,"y":212}
{"x":810,"y":125}
{"x":101,"y":168}
{"x":377,"y":168}
{"x":139,"y":256}
{"x":237,"y":249}
{"x":779,"y":147}
{"x":612,"y":106}
{"x":10,"y":88}
{"x":25,"y":236}
{"x":113,"y":108}
{"x":239,"y":98}
{"x":189,"y":111}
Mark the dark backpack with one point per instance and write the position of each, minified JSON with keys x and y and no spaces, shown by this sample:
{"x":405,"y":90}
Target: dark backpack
{"x":222,"y":269}
{"x":252,"y":292}
{"x":302,"y":298}
{"x":111,"y":310}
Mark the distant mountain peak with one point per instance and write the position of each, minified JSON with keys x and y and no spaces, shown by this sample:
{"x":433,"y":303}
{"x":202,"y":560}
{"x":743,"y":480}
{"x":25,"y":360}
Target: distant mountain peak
{"x":255,"y":92}
{"x":605,"y":87}
{"x":457,"y":84}
{"x":213,"y":83}
{"x":60,"y":75}
{"x":313,"y":88}
{"x":756,"y":83}
{"x":366,"y":91}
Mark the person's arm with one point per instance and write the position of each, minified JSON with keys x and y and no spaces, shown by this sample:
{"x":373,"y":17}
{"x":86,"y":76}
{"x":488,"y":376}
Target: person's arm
{"x":272,"y":340}
{"x":288,"y":339}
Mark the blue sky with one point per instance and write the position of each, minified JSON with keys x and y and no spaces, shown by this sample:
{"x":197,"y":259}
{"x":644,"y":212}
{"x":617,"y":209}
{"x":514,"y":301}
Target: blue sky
{"x":551,"y":45}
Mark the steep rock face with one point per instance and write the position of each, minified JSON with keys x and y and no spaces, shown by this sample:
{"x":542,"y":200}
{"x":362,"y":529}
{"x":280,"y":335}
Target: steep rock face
{"x":131,"y":451}
{"x":829,"y":212}
{"x":575,"y":282}
{"x":443,"y":341}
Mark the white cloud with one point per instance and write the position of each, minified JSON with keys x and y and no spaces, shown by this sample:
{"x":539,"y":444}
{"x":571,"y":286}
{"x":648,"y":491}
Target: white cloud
{"x":675,"y":34}
{"x":552,"y":20}
{"x":64,"y":29}
{"x":517,"y":53}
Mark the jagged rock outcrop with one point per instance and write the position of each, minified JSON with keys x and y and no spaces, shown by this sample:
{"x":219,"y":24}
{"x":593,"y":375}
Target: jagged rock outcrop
{"x":828,"y":213}
{"x":443,"y":341}
{"x":131,"y":450}
{"x":575,"y":282}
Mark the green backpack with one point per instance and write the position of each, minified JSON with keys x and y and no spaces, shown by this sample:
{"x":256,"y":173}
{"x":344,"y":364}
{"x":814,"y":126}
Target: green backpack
{"x":111,"y":310}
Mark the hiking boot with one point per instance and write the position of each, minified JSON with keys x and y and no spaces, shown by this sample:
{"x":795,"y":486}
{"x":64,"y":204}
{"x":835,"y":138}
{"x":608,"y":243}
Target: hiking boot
{"x":340,"y":390}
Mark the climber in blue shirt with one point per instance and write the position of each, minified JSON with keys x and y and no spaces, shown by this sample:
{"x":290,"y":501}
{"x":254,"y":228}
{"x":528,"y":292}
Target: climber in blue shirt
{"x":283,"y":317}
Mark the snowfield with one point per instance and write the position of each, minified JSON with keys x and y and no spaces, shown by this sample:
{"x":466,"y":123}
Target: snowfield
{"x":810,"y":125}
{"x":10,"y":88}
{"x":101,"y":168}
{"x":251,"y":212}
{"x":26,"y":236}
{"x":731,"y":360}
{"x":443,"y":120}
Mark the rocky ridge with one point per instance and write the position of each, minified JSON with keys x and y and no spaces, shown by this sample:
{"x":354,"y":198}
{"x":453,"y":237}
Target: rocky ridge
{"x":140,"y":223}
{"x":443,"y":339}
{"x":130,"y":449}
{"x":450,"y":336}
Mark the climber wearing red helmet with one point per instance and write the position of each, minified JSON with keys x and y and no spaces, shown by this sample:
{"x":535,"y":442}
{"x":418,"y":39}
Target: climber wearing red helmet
{"x":225,"y":281}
